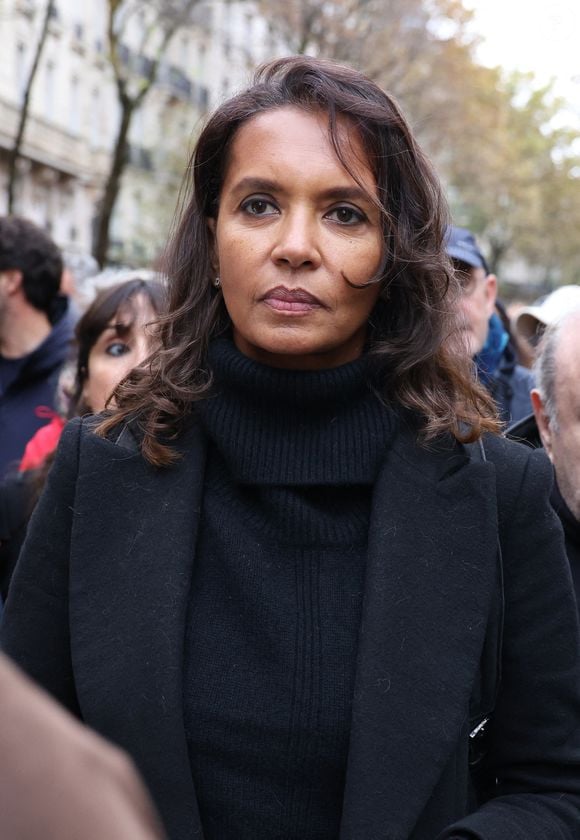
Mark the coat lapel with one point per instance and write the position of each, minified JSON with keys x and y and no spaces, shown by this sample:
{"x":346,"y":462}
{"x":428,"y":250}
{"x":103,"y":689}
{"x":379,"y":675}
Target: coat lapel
{"x":430,"y":577}
{"x":129,"y":580}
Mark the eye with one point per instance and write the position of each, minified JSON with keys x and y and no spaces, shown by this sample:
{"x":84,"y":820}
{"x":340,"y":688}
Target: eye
{"x":346,"y":215}
{"x":117,"y":348}
{"x":467,"y":282}
{"x":257,"y":206}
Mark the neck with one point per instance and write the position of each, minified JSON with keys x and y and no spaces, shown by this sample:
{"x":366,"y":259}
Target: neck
{"x":22,"y":332}
{"x":294,"y":427}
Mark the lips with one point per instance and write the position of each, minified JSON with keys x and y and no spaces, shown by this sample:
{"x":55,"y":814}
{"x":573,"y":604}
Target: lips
{"x":291,"y":300}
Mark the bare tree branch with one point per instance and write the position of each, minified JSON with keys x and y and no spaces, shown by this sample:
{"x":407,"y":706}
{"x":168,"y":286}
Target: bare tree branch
{"x":133,"y":81}
{"x":14,"y":153}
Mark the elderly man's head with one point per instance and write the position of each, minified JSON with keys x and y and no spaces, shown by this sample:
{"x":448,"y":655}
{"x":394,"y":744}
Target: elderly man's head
{"x":556,"y":403}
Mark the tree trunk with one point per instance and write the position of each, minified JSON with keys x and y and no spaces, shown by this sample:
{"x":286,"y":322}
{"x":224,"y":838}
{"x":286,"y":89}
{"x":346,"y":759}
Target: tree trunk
{"x":498,"y":251}
{"x":113,"y":183}
{"x":14,"y":153}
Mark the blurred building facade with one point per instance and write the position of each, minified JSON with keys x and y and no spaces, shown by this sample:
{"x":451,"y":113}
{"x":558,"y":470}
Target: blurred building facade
{"x":74,"y":114}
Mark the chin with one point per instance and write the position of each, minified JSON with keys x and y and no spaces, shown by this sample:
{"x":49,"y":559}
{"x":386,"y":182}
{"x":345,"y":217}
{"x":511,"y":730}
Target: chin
{"x":286,"y":341}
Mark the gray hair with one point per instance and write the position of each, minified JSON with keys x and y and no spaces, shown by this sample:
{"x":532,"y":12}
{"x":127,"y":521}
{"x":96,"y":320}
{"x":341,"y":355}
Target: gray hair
{"x":546,"y":366}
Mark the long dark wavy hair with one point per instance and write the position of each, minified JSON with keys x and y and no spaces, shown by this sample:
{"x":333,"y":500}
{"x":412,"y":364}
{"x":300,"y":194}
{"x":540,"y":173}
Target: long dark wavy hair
{"x":411,"y":327}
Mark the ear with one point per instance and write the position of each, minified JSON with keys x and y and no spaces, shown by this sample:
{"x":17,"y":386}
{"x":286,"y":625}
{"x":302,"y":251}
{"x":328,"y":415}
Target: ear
{"x":214,"y":259}
{"x":490,"y":293}
{"x":11,"y":280}
{"x":542,"y":420}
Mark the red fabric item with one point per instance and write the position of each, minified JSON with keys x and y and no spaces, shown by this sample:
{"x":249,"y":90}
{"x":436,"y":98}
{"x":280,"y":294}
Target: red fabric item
{"x":41,"y":444}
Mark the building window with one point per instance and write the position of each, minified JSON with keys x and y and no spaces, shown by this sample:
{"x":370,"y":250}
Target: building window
{"x":75,"y":106}
{"x":201,"y":60}
{"x":21,"y":69}
{"x":184,"y":51}
{"x":95,"y":135}
{"x":249,"y":27}
{"x":49,"y":78}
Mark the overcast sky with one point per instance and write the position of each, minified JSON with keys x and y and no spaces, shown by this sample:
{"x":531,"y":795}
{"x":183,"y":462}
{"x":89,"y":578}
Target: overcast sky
{"x":533,"y":35}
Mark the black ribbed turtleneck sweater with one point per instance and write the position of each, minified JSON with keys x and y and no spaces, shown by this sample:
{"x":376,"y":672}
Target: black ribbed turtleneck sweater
{"x":276,"y":594}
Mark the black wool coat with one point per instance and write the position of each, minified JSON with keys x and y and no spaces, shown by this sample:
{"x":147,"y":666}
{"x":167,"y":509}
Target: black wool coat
{"x":97,"y":608}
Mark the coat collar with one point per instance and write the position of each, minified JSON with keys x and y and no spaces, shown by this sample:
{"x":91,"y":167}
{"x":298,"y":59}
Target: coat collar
{"x":423,"y":625}
{"x":128,"y":609}
{"x":424,"y":620}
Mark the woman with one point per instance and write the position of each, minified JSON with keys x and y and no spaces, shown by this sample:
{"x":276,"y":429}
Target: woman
{"x":272,"y":574}
{"x":114,"y":335}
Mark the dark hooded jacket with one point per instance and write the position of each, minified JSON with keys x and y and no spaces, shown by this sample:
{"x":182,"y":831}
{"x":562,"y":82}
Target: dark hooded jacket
{"x":28,"y":389}
{"x":508,"y":383}
{"x":510,"y":386}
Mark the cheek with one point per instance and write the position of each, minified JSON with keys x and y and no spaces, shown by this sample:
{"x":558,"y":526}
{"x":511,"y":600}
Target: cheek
{"x":566,"y":445}
{"x":102,"y":379}
{"x":360,"y":303}
{"x":475,"y":315}
{"x":234,"y":250}
{"x":464,"y":310}
{"x":358,"y":259}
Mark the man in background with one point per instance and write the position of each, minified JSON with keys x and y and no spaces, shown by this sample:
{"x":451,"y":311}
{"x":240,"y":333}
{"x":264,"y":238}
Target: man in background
{"x":35,"y":333}
{"x":531,"y":321}
{"x":487,"y":340}
{"x":556,"y":403}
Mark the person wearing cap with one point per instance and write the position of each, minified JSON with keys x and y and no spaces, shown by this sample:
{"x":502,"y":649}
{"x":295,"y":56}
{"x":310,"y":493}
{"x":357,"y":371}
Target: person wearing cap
{"x":486,"y":338}
{"x":531,"y":321}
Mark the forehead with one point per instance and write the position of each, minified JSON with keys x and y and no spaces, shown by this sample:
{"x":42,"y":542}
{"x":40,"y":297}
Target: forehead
{"x":133,"y":313}
{"x":290,"y":137}
{"x":136,"y":309}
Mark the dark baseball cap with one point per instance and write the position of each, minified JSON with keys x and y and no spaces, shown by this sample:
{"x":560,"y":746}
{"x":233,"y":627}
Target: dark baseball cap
{"x":461,"y":244}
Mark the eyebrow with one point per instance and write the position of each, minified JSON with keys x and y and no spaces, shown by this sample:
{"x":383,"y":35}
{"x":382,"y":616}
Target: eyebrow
{"x":333,"y":194}
{"x":118,"y":327}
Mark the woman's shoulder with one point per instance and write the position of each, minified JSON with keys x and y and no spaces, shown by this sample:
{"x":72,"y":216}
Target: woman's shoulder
{"x":524,"y":476}
{"x":513,"y":457}
{"x":83,"y":438}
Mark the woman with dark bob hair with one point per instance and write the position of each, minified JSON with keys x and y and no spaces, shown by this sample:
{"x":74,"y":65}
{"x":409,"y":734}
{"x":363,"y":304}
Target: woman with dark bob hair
{"x":112,"y":336}
{"x":296,"y":572}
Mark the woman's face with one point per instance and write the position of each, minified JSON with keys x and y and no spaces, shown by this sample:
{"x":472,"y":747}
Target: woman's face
{"x":292,"y":224}
{"x":122,"y":345}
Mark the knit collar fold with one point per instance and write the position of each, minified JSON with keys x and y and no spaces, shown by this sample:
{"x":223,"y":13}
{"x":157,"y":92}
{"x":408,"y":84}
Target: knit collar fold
{"x":294,"y":427}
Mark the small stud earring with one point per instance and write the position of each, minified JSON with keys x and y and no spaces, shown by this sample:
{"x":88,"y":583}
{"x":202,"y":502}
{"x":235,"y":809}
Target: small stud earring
{"x":217,"y":282}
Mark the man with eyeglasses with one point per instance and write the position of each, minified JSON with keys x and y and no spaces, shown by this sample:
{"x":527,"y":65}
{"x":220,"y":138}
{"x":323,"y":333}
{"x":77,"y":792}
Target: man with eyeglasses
{"x":486,"y":338}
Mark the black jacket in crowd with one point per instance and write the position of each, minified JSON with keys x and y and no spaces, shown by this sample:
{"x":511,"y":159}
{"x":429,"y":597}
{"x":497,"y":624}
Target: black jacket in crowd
{"x":27,"y":401}
{"x":97,"y":611}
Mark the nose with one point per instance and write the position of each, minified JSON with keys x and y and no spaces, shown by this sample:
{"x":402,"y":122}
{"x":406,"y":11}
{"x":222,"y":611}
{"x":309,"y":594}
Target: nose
{"x":296,"y":244}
